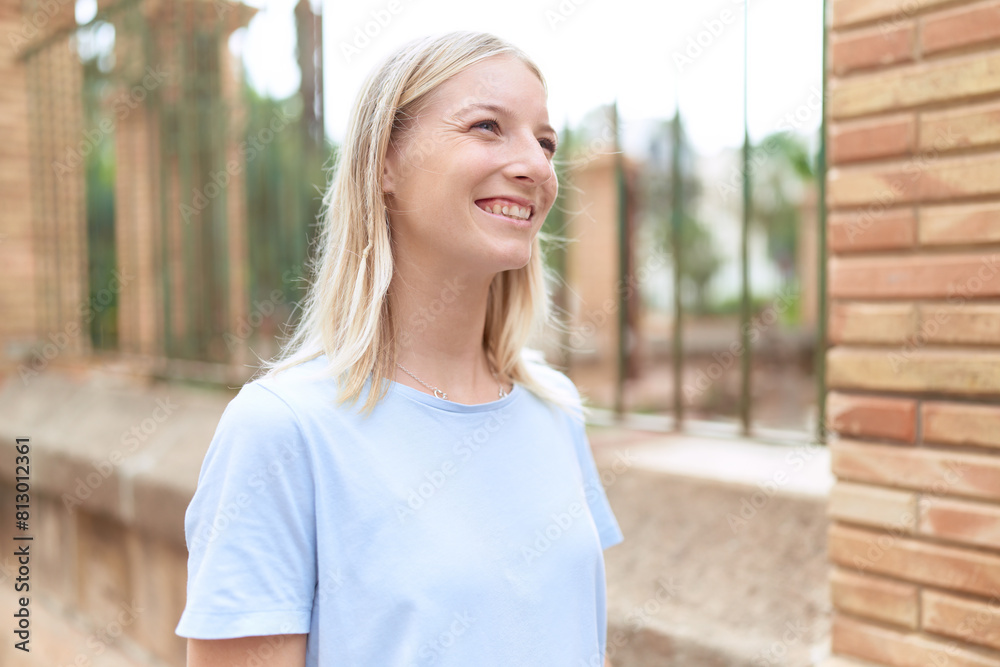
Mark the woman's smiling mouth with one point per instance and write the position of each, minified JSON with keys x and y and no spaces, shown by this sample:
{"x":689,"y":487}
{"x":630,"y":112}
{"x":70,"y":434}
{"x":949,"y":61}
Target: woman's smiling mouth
{"x":520,"y":210}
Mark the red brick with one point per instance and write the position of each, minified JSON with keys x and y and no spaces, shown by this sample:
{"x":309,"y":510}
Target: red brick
{"x":966,"y":126}
{"x":925,"y":177}
{"x":888,"y":13}
{"x":874,"y":597}
{"x":856,"y":232}
{"x":961,"y":424}
{"x":872,"y":416}
{"x":874,"y":506}
{"x":965,"y":224}
{"x":974,"y":621}
{"x":964,"y":26}
{"x":871,"y":47}
{"x":886,"y":136}
{"x":966,"y":323}
{"x":960,"y":521}
{"x":876,"y":323}
{"x":932,"y":276}
{"x":941,"y":472}
{"x":913,"y":560}
{"x":907,"y":86}
{"x":912,"y":368}
{"x":899,"y":649}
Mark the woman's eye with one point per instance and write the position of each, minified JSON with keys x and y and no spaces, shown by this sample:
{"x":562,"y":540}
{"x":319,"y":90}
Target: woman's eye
{"x":548,"y":145}
{"x":488,"y":125}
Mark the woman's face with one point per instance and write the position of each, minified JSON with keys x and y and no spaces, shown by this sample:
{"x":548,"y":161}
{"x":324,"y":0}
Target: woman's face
{"x":471,"y":179}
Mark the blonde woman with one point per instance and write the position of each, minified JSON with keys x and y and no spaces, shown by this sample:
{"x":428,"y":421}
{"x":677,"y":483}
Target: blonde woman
{"x":407,"y":485}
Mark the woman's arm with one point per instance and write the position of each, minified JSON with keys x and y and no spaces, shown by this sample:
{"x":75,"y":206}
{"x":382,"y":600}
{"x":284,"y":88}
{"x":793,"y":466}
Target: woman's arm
{"x":272,"y":650}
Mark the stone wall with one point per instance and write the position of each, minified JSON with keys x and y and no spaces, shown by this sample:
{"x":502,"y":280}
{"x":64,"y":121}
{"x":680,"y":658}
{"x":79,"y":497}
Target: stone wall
{"x":112,"y":472}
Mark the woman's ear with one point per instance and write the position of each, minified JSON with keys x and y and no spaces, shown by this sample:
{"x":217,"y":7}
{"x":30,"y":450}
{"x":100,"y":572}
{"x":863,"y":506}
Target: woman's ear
{"x":390,"y":169}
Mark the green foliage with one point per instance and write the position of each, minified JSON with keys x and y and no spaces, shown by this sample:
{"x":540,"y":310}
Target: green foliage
{"x":788,"y":316}
{"x":784,"y":169}
{"x":733,"y":304}
{"x":697,"y":253}
{"x":285,"y":182}
{"x":99,"y":178}
{"x":793,"y":314}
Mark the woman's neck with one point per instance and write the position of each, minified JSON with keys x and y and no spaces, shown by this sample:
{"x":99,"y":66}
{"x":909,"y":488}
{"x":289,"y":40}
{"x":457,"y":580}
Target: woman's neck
{"x":440,"y":318}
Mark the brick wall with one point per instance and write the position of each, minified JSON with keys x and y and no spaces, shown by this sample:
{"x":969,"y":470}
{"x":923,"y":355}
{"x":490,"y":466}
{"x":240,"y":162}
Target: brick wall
{"x":914,"y":363}
{"x":43,"y":240}
{"x":17,"y":290}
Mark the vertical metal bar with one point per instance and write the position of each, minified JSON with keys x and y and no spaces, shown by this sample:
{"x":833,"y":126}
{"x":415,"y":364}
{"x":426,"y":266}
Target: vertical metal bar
{"x":622,"y":269}
{"x":185,"y":100}
{"x":252,"y":183}
{"x":821,"y":305}
{"x":745,"y":232}
{"x":676,"y":220}
{"x":205,"y":151}
{"x":295,"y":248}
{"x":296,"y":216}
{"x":58,"y":131}
{"x":220,"y":245}
{"x":158,"y":116}
{"x":33,"y":68}
{"x":78,"y":260}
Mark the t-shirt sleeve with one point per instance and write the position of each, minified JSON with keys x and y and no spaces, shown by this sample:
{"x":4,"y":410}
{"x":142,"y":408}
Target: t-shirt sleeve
{"x":607,"y":525}
{"x":250,"y":526}
{"x":597,"y":500}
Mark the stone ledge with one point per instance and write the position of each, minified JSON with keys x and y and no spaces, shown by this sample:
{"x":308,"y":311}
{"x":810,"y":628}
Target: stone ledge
{"x":112,"y":446}
{"x":801,"y":469}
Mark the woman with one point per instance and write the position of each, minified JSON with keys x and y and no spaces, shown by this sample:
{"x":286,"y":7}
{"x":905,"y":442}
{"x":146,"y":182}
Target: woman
{"x":456,"y":517}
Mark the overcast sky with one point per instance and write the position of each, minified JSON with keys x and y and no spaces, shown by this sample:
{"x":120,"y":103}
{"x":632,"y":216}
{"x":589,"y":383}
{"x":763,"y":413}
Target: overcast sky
{"x":646,"y":54}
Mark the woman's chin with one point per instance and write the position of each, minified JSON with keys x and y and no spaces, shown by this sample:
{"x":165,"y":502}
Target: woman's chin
{"x":511,"y":259}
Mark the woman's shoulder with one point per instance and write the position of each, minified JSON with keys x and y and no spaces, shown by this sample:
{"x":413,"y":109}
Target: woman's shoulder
{"x":551,"y":377}
{"x":540,"y":369}
{"x":555,"y":382}
{"x":292,"y":385}
{"x":271,"y":404}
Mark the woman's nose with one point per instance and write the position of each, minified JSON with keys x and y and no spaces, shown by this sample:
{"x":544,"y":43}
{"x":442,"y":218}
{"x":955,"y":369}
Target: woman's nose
{"x":530,"y":161}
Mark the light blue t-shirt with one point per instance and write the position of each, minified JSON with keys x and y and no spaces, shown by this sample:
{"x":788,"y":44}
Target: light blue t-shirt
{"x":430,"y":533}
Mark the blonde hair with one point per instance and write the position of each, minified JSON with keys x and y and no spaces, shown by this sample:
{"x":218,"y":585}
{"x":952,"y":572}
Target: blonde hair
{"x":346,"y":313}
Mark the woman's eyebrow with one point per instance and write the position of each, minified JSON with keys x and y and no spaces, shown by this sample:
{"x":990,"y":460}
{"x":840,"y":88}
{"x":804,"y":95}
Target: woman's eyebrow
{"x":499,"y":110}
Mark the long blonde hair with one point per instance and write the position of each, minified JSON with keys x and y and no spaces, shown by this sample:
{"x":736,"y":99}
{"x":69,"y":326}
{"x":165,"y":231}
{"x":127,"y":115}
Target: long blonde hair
{"x":346,"y":313}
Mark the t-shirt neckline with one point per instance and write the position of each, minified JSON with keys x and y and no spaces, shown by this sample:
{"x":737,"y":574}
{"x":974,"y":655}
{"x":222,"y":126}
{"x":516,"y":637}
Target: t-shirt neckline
{"x":452,"y":406}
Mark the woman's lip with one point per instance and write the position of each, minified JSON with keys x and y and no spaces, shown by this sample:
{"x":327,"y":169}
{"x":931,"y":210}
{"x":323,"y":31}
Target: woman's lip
{"x":519,"y":201}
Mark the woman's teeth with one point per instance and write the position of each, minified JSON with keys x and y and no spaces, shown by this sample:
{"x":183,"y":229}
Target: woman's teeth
{"x":511,"y":211}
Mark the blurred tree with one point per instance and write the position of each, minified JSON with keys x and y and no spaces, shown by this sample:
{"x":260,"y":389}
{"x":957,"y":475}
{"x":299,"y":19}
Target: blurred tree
{"x":699,"y":258}
{"x":99,"y":176}
{"x":285,"y":181}
{"x":784,"y":170}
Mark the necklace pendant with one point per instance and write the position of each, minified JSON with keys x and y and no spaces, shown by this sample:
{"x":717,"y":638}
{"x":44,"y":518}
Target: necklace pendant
{"x":440,"y":394}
